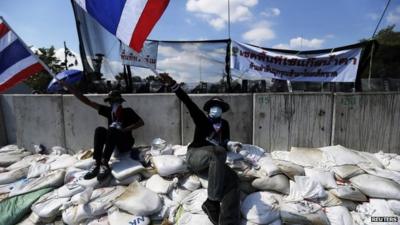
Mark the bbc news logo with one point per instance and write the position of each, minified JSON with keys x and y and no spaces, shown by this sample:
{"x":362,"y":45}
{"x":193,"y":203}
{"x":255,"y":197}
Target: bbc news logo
{"x":387,"y":219}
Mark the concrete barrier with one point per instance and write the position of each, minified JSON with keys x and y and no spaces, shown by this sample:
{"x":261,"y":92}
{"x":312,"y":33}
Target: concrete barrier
{"x":3,"y":134}
{"x":10,"y":122}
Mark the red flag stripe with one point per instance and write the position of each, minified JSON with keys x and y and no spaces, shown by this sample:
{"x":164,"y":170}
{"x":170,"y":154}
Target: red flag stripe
{"x":3,"y":29}
{"x":149,"y":17}
{"x":22,"y":75}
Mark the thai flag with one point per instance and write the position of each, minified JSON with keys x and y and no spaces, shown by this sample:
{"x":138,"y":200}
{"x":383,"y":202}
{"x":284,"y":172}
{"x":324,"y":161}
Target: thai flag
{"x":17,"y":62}
{"x":131,"y":21}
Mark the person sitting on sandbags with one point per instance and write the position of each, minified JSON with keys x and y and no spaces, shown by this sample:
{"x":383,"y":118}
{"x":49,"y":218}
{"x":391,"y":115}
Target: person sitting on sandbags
{"x":121,"y":122}
{"x":207,"y":155}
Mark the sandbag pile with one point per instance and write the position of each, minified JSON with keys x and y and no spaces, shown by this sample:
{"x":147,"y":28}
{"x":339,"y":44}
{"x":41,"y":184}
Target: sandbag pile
{"x":329,"y":185}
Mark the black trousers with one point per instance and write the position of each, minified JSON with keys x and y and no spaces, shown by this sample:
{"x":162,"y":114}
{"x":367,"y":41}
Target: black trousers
{"x":105,"y":141}
{"x":223,"y":182}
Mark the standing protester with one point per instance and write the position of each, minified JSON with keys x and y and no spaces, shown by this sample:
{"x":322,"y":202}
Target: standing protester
{"x":206,"y":156}
{"x":121,"y":122}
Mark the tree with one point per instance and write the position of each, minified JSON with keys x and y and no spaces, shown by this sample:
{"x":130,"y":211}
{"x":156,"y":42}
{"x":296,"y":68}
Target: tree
{"x":40,"y":81}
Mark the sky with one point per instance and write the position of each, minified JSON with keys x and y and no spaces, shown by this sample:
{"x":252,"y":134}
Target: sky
{"x":287,"y":24}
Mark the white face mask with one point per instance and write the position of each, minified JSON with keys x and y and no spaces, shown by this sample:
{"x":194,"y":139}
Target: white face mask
{"x":215,"y":112}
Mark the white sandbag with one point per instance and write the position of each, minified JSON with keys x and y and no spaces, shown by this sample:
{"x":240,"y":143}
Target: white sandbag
{"x":125,"y":166}
{"x":160,"y":147}
{"x":13,"y":175}
{"x":117,"y":217}
{"x":306,"y":157}
{"x":9,"y":148}
{"x":389,"y":161}
{"x":168,"y":209}
{"x":192,"y":203}
{"x":280,"y":155}
{"x":204,"y":182}
{"x":53,"y":179}
{"x":48,"y":206}
{"x":371,"y":159}
{"x":37,"y":169}
{"x":339,"y":215}
{"x":180,"y":150}
{"x":62,"y":162}
{"x":194,"y":219}
{"x":168,"y":164}
{"x":68,"y":190}
{"x":58,"y":150}
{"x":191,"y":183}
{"x":303,"y":212}
{"x":85,"y":164}
{"x":76,"y":176}
{"x":373,"y":170}
{"x":231,"y":157}
{"x":100,"y":202}
{"x":347,"y":171}
{"x":305,"y":188}
{"x":127,"y":181}
{"x":267,"y":164}
{"x":98,"y":221}
{"x":32,"y":219}
{"x":261,"y":207}
{"x":279,"y":183}
{"x":349,"y":192}
{"x":138,"y":200}
{"x":330,"y":200}
{"x":289,"y":169}
{"x":325,"y":178}
{"x":178,"y":194}
{"x":26,"y":162}
{"x":160,"y":185}
{"x":394,"y":205}
{"x":368,"y":185}
{"x":251,"y":153}
{"x":11,"y":157}
{"x":375,"y":208}
{"x":338,"y":155}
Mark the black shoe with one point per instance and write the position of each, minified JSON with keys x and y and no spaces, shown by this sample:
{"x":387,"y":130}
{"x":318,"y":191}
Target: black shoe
{"x":104,"y":172}
{"x":212,"y":209}
{"x":93,"y":171}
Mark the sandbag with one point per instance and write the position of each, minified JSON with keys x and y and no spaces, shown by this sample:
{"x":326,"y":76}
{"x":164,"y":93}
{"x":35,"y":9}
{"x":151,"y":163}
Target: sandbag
{"x":279,"y":183}
{"x":53,"y":179}
{"x":371,"y":159}
{"x":349,"y":192}
{"x":394,"y":205}
{"x":192,"y":202}
{"x":117,"y":217}
{"x":280,"y":155}
{"x":62,"y":162}
{"x":9,"y":148}
{"x":138,"y":200}
{"x":194,"y":219}
{"x":289,"y":169}
{"x":32,"y":219}
{"x":15,"y":208}
{"x":76,"y":176}
{"x":251,"y":153}
{"x":85,"y":164}
{"x":168,"y":164}
{"x":389,"y":161}
{"x":347,"y":171}
{"x":350,"y":205}
{"x":338,"y":155}
{"x":306,"y":157}
{"x":13,"y":175}
{"x":178,"y":194}
{"x":267,"y":164}
{"x":26,"y":162}
{"x":368,"y":185}
{"x":37,"y":169}
{"x":325,"y":178}
{"x":303,"y":212}
{"x":159,"y":185}
{"x":375,"y":208}
{"x":339,"y":215}
{"x":191,"y":183}
{"x":125,"y":166}
{"x":98,"y":221}
{"x":47,"y":207}
{"x":330,"y":200}
{"x":127,"y":181}
{"x":69,"y":190}
{"x":261,"y":207}
{"x":373,"y":170}
{"x":11,"y":157}
{"x":305,"y":188}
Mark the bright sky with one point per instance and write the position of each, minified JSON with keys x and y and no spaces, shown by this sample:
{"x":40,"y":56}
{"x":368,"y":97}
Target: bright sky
{"x":305,"y":24}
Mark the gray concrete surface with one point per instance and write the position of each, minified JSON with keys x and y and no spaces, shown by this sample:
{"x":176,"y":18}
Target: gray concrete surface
{"x":3,"y":134}
{"x":10,"y":123}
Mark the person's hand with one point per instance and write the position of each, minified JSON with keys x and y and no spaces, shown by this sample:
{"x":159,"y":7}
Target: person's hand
{"x":166,"y":79}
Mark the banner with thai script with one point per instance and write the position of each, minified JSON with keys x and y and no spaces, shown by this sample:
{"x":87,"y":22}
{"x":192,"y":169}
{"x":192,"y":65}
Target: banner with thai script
{"x":257,"y":63}
{"x":148,"y":55}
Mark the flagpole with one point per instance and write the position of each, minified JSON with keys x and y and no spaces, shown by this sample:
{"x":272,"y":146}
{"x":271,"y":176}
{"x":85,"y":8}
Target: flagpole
{"x":29,"y":49}
{"x":229,"y":19}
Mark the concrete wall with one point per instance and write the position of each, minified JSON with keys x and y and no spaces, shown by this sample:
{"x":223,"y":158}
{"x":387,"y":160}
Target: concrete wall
{"x":274,"y":121}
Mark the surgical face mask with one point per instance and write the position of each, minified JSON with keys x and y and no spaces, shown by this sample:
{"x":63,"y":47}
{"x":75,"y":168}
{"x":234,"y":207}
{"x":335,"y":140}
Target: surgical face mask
{"x":215,"y":112}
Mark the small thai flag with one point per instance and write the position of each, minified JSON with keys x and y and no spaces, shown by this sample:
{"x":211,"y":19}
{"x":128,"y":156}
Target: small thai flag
{"x":17,"y":62}
{"x":131,"y":21}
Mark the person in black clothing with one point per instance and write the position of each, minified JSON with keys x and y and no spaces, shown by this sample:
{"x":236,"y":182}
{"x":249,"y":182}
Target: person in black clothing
{"x":121,"y":122}
{"x":207,"y":155}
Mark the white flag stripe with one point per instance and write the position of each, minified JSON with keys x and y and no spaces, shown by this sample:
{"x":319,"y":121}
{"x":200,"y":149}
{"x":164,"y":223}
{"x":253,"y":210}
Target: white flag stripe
{"x":16,"y":68}
{"x":7,"y":40}
{"x":129,"y":18}
{"x":81,"y":3}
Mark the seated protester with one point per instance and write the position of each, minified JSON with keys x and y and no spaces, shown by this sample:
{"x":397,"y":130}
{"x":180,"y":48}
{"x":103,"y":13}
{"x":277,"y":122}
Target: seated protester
{"x":121,"y":122}
{"x":207,"y":155}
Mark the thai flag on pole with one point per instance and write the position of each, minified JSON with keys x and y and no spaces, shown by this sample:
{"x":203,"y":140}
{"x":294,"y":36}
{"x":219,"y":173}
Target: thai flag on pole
{"x":17,"y":62}
{"x":131,"y":21}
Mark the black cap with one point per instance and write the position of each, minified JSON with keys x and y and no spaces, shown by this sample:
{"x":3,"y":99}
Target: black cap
{"x":216,"y":101}
{"x":114,"y":96}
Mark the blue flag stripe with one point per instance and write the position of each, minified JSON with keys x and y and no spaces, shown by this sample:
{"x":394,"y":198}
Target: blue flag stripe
{"x":106,"y":12}
{"x":14,"y":53}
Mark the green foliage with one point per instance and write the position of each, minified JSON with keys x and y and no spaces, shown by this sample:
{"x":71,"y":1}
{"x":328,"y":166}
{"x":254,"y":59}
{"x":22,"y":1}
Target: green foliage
{"x":40,"y":81}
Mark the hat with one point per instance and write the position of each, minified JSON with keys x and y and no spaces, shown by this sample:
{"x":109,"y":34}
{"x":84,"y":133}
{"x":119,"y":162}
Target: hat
{"x":215,"y":101}
{"x":114,"y":95}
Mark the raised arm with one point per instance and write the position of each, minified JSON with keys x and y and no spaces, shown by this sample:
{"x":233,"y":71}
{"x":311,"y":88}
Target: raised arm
{"x":80,"y":96}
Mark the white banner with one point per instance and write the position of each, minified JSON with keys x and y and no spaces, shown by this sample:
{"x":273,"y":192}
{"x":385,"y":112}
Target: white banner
{"x":257,"y":63}
{"x":148,"y":53}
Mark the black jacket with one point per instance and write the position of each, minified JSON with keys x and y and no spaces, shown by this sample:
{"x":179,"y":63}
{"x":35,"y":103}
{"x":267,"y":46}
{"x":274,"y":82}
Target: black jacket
{"x":204,"y":130}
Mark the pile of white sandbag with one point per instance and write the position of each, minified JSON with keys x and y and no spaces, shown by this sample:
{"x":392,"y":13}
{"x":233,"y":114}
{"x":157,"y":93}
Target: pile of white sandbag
{"x":330,"y":185}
